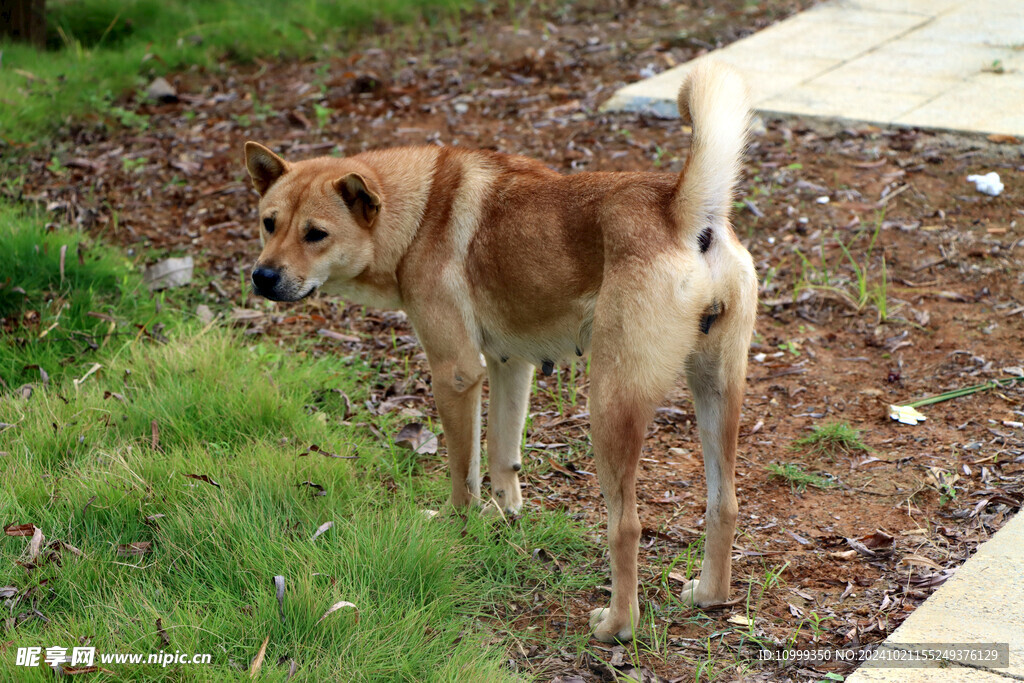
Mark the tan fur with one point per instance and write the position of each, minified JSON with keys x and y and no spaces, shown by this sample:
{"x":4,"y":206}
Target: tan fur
{"x":498,"y":255}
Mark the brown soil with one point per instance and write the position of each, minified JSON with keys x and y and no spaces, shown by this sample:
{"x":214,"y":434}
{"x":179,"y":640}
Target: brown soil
{"x":531,"y":84}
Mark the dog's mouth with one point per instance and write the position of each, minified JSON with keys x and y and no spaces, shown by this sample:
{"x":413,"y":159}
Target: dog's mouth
{"x":274,"y":295}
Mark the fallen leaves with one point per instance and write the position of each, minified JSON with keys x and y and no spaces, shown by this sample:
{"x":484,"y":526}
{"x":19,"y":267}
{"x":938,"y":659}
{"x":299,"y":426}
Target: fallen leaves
{"x":257,"y":661}
{"x":171,"y":272}
{"x":327,"y":454}
{"x":337,"y":336}
{"x":320,"y":530}
{"x":165,"y":640}
{"x":279,"y":590}
{"x":203,"y":477}
{"x":417,"y":438}
{"x":337,"y":606}
{"x":20,"y":529}
{"x":316,"y":489}
{"x":135,"y":548}
{"x":89,"y":373}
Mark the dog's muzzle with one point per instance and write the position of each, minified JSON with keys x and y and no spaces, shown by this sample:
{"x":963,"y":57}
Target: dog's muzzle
{"x":265,"y":282}
{"x":270,"y":284}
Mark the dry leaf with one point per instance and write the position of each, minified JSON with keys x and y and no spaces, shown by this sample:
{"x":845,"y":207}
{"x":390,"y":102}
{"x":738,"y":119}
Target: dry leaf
{"x":879,"y":539}
{"x":279,"y":587}
{"x":165,"y":640}
{"x":88,"y":373}
{"x":844,"y":554}
{"x":257,"y":661}
{"x":203,"y":477}
{"x":740,"y":620}
{"x":61,"y":545}
{"x":321,"y":529}
{"x":75,"y":670}
{"x":920,"y":561}
{"x":172,"y":272}
{"x":330,"y":334}
{"x":35,"y":546}
{"x":316,"y":487}
{"x":245,"y":315}
{"x":417,"y":438}
{"x":135,"y":548}
{"x":327,"y":454}
{"x":1003,"y":139}
{"x":337,"y":606}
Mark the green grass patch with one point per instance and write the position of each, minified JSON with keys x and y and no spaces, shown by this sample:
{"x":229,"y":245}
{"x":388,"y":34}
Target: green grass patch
{"x":65,"y":302}
{"x":798,"y":478}
{"x":832,"y":438}
{"x":176,"y":480}
{"x":102,"y":48}
{"x":82,"y":467}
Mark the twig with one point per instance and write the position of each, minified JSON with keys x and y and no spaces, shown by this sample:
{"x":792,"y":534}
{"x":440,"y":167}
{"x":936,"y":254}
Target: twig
{"x":966,"y":391}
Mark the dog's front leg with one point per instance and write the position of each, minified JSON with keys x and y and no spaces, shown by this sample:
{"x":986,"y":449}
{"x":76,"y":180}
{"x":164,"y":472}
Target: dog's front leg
{"x":509,"y":382}
{"x":456,"y":382}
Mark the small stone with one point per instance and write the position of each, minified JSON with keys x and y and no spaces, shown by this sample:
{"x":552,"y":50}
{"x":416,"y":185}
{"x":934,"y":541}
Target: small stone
{"x":160,"y":90}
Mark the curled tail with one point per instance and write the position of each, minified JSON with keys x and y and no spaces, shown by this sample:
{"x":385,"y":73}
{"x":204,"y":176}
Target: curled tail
{"x":715,"y":100}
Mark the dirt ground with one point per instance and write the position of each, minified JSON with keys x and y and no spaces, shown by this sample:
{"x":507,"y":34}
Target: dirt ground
{"x":929,"y":299}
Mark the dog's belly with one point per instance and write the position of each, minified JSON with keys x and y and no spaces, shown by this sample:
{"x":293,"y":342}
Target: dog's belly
{"x":554,"y":340}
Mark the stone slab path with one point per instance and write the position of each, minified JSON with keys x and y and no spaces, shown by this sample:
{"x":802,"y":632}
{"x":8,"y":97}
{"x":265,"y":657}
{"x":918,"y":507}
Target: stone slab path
{"x":943,"y":64}
{"x":982,"y":603}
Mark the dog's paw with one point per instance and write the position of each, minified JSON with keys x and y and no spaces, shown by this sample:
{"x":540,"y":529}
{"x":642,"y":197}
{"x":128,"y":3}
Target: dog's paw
{"x":605,"y":630}
{"x":688,"y":596}
{"x":492,"y":510}
{"x":693,"y":596}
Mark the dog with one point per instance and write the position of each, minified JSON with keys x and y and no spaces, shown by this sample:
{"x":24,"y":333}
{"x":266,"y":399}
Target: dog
{"x":504,"y":265}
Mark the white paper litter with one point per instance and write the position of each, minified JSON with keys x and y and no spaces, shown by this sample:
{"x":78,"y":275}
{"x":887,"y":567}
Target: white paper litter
{"x":171,"y":272}
{"x":987,"y":184}
{"x":906,"y":414}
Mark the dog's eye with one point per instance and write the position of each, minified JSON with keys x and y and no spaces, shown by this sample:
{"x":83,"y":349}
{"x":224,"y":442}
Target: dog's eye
{"x":315,"y":235}
{"x":268,"y":224}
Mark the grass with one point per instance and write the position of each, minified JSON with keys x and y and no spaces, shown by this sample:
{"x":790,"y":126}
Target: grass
{"x":859,"y":292}
{"x":103,"y":48}
{"x":798,"y":478}
{"x":64,"y":301}
{"x":196,"y":452}
{"x":832,"y":438}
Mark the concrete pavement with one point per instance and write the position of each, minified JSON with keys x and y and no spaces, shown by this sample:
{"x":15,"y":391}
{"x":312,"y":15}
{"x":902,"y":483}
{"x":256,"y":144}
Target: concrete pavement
{"x":943,"y":64}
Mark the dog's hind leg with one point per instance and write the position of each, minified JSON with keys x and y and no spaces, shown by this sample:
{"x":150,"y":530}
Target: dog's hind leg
{"x":717,"y":378}
{"x":509,"y":382}
{"x":619,"y":425}
{"x":636,"y":352}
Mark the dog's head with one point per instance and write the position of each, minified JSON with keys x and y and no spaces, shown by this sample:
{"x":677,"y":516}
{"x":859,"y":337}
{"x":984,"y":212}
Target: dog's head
{"x":315,"y":217}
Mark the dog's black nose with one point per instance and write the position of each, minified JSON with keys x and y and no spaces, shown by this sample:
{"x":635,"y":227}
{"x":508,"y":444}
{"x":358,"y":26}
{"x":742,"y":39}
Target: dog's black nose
{"x":265,"y":279}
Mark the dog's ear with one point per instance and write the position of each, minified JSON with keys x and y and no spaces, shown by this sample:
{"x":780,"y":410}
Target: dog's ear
{"x":361,"y":197}
{"x":264,"y":166}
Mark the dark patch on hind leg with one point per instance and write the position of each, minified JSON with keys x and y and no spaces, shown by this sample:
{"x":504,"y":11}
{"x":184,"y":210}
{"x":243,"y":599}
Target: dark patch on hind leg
{"x":711,"y":314}
{"x":705,"y":239}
